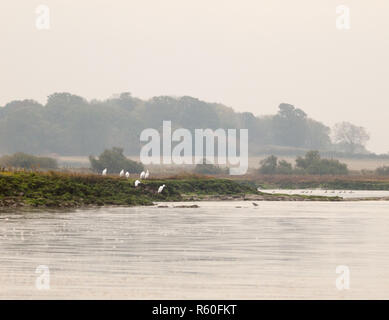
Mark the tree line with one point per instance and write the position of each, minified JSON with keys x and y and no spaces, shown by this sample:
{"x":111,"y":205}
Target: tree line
{"x":70,"y":125}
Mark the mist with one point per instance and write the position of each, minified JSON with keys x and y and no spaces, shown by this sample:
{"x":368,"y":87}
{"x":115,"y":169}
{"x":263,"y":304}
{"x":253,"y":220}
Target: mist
{"x":249,"y":55}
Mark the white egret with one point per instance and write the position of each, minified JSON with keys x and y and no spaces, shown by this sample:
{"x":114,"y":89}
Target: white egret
{"x":137,"y":182}
{"x":142,"y":175}
{"x":127,"y":174}
{"x":161,"y":188}
{"x":121,"y":173}
{"x":104,"y":173}
{"x":147,"y":174}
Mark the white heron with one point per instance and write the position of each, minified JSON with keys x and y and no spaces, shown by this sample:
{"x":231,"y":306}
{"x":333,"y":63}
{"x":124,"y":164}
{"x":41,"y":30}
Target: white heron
{"x":147,"y":174}
{"x":142,"y":175}
{"x":137,"y":182}
{"x":127,"y":174}
{"x":104,"y":173}
{"x":121,"y":173}
{"x":161,"y":188}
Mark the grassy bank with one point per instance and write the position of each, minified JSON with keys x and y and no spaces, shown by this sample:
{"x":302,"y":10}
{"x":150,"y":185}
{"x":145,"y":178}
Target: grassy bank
{"x":75,"y":190}
{"x":65,"y":190}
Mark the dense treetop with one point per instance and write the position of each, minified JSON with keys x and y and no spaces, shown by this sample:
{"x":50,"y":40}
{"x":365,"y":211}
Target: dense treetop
{"x":70,"y":125}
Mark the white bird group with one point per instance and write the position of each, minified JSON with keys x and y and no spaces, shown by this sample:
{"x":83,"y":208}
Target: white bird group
{"x":145,"y":175}
{"x":122,"y":174}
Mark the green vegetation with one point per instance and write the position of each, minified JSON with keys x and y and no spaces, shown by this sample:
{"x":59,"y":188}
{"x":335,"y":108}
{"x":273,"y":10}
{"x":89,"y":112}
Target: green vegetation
{"x":382,"y":171}
{"x":311,"y":163}
{"x":115,"y":161}
{"x":70,"y":125}
{"x":27,"y":161}
{"x":209,"y":168}
{"x":71,"y":190}
{"x":271,"y":165}
{"x":60,"y":190}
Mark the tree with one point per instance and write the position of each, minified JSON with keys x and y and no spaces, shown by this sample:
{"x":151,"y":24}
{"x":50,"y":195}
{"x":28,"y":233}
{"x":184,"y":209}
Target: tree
{"x":311,"y":158}
{"x":268,"y":165}
{"x":27,"y":161}
{"x":284,"y":167}
{"x":64,"y":99}
{"x":290,"y":126}
{"x":382,"y":171}
{"x":115,"y":161}
{"x":209,"y":168}
{"x":350,"y":136}
{"x":313,"y":164}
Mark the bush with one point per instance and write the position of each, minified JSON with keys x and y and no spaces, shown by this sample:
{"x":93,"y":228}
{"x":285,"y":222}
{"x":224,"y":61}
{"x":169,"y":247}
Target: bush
{"x":268,"y":165}
{"x":382,"y":171}
{"x":311,"y":163}
{"x":284,"y":167}
{"x":27,"y":161}
{"x":208,"y":168}
{"x":271,"y":165}
{"x":115,"y":161}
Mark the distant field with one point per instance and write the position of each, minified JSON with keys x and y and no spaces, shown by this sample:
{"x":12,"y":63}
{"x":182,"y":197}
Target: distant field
{"x":353,"y":164}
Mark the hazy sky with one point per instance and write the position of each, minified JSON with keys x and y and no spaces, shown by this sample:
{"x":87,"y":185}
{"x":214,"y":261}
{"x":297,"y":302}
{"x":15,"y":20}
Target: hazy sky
{"x":248,"y":54}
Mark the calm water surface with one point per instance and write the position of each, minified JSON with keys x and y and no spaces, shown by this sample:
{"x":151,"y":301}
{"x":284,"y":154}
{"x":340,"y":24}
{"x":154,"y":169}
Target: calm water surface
{"x":222,"y":250}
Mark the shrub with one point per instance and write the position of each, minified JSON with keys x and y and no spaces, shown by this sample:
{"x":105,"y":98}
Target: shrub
{"x":382,"y":171}
{"x":268,"y":165}
{"x":284,"y":167}
{"x":208,"y":168}
{"x":114,"y":161}
{"x":27,"y":161}
{"x":271,"y":165}
{"x":311,"y":163}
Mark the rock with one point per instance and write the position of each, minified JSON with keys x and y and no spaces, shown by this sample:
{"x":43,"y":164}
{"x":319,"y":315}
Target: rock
{"x":189,"y":206}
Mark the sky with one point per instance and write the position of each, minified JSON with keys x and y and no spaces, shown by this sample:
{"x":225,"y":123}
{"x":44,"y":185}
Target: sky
{"x":250,"y":55}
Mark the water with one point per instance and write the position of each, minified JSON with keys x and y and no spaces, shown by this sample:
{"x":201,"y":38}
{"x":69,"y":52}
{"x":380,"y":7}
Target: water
{"x":222,"y":250}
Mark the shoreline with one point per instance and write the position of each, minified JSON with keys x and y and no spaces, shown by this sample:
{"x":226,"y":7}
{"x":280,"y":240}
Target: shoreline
{"x":53,"y":190}
{"x":190,"y":198}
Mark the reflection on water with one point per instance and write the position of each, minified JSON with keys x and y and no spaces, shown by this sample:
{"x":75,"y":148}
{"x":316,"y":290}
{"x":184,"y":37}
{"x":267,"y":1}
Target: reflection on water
{"x":222,"y":250}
